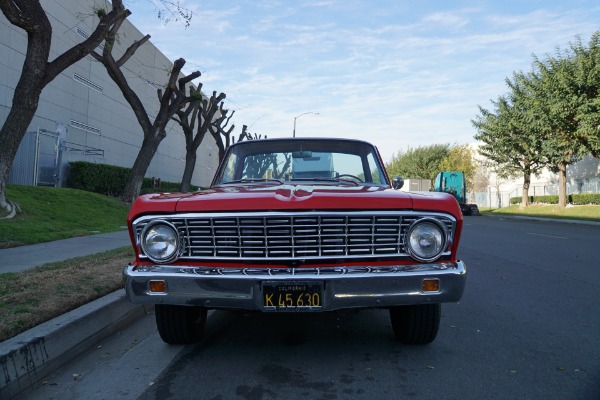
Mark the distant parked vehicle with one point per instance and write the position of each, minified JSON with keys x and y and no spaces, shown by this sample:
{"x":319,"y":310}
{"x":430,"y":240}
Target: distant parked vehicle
{"x":454,"y":182}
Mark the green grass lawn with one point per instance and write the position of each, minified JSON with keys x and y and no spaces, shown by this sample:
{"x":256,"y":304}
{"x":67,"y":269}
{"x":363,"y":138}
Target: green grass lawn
{"x":48,"y":213}
{"x":585,"y":213}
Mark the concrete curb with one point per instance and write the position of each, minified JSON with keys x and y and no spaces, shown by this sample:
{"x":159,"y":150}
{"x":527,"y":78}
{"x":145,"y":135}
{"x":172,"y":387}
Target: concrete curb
{"x":27,"y":358}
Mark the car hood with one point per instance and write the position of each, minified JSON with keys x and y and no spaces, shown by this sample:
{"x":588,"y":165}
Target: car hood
{"x":294,"y":197}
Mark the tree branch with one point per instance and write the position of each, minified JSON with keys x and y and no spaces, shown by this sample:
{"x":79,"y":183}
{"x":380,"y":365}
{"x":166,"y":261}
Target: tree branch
{"x":116,"y":16}
{"x":131,"y":50}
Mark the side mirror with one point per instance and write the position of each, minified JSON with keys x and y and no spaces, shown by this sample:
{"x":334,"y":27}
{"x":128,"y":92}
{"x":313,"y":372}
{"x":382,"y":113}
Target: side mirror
{"x":397,"y":182}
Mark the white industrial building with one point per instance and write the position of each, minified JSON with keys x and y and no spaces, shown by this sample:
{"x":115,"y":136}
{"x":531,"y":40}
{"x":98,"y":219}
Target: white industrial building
{"x":82,"y":115}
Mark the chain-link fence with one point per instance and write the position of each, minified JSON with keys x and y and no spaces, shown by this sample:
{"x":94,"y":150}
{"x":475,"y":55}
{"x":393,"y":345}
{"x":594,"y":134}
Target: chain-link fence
{"x":36,"y":162}
{"x":23,"y":170}
{"x":43,"y":158}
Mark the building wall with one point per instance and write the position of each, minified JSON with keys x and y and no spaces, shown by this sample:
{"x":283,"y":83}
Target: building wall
{"x":85,"y":100}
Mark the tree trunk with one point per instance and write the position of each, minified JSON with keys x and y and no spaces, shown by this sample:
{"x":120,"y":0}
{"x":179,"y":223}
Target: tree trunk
{"x":562,"y":185}
{"x":188,"y":172}
{"x":526,"y":184}
{"x":13,"y":130}
{"x":140,"y":166}
{"x":27,"y":92}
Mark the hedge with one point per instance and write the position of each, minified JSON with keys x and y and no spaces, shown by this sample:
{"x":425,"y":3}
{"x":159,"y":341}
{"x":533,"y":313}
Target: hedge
{"x":110,"y":180}
{"x":576,"y":199}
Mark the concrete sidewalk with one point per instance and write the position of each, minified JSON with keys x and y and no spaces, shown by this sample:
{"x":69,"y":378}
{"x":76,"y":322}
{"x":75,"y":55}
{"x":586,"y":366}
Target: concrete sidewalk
{"x":27,"y":358}
{"x":16,"y":259}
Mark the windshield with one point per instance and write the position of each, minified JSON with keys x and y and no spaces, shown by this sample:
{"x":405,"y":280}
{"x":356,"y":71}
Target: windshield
{"x":297,"y":160}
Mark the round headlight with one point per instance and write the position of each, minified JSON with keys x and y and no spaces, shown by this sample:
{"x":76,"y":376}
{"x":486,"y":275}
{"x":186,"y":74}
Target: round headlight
{"x":426,"y":240}
{"x":160,"y":242}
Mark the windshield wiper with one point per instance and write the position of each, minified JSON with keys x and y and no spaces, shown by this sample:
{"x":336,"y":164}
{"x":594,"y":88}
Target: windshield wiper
{"x":254,"y":180}
{"x":327,"y":179}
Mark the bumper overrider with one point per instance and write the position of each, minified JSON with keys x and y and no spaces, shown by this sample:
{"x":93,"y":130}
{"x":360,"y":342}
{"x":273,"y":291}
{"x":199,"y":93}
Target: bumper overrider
{"x":338,"y":287}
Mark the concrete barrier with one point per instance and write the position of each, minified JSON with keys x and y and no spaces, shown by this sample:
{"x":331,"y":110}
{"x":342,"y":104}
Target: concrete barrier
{"x":29,"y":357}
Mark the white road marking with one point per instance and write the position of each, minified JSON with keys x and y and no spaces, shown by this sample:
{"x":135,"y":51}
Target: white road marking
{"x":554,"y":237}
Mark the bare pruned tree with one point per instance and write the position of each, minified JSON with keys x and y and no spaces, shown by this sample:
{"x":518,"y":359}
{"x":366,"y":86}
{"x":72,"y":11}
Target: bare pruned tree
{"x":171,"y":100}
{"x":223,"y":137}
{"x":207,"y":112}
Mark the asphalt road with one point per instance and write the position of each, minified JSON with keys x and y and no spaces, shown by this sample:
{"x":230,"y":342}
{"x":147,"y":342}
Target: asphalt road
{"x":528,"y":327}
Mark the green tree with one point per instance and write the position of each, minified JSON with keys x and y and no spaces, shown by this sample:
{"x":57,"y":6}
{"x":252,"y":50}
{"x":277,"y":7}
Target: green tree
{"x":567,"y":90}
{"x":418,"y":163}
{"x":509,"y":136}
{"x":551,"y":117}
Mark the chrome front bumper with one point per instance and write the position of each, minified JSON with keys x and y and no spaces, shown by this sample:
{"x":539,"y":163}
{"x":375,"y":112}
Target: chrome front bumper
{"x":343,"y":286}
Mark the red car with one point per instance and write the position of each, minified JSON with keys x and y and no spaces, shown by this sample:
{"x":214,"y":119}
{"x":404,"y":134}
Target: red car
{"x":296,"y":225}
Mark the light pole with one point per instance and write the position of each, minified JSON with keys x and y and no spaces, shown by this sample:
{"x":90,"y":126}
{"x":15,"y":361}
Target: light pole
{"x":298,"y":116}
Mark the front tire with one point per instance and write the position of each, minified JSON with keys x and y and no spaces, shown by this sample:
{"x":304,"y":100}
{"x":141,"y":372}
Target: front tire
{"x":180,"y":324}
{"x":416,"y":324}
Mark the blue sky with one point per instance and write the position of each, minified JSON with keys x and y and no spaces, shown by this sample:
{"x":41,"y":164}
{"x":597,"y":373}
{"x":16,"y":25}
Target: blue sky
{"x":399,"y":73}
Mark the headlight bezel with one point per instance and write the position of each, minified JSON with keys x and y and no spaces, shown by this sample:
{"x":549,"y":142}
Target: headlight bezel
{"x":444,"y":240}
{"x":176,"y":242}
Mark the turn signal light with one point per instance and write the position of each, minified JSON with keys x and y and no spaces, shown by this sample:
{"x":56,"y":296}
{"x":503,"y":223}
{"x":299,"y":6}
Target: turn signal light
{"x":431,"y":285}
{"x":157,"y":286}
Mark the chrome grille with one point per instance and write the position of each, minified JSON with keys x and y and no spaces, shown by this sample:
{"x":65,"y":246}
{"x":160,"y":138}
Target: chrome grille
{"x":286,"y":236}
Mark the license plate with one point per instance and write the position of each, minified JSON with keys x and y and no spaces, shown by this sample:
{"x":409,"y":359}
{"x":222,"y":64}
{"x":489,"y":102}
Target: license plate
{"x":292,"y":296}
